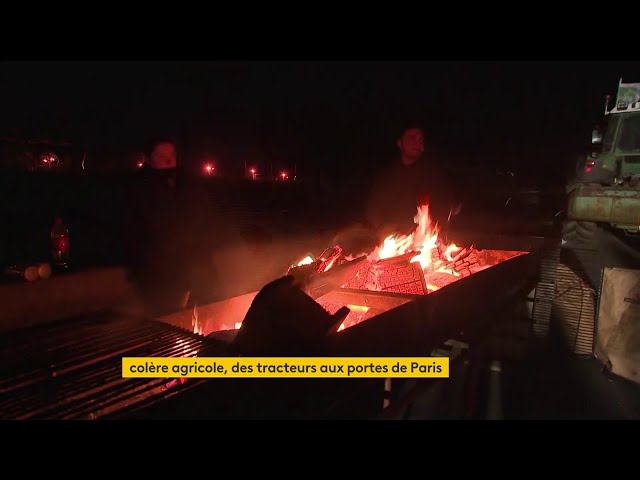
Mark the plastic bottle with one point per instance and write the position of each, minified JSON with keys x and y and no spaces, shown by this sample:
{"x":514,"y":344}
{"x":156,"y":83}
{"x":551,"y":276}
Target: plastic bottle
{"x":60,"y":244}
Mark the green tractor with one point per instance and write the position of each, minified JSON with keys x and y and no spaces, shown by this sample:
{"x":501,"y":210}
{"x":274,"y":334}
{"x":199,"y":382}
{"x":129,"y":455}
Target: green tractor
{"x":606,"y":188}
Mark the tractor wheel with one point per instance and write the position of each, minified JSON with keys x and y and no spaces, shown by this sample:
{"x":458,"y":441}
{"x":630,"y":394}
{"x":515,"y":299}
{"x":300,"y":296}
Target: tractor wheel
{"x":576,"y":232}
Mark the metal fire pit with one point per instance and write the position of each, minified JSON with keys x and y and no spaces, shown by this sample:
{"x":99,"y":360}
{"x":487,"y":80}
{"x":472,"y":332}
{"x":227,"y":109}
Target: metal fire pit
{"x":400,"y":325}
{"x":401,"y":319}
{"x":72,"y":369}
{"x":409,"y":326}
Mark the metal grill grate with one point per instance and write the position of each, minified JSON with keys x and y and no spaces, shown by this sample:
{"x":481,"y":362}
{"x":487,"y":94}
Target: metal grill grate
{"x":575,"y":301}
{"x":73,"y":369}
{"x":544,"y":294}
{"x":566,"y":298}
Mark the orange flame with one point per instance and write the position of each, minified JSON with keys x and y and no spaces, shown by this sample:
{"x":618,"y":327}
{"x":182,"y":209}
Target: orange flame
{"x":453,"y":248}
{"x":195,"y":323}
{"x":305,"y":261}
{"x":422,"y":241}
{"x":355,"y":316}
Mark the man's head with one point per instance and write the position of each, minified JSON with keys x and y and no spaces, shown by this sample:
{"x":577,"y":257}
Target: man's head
{"x":411,"y":145}
{"x":162,"y":155}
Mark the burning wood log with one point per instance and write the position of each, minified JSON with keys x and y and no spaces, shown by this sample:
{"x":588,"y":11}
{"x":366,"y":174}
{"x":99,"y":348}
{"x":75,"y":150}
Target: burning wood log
{"x":475,"y":268}
{"x":394,"y":261}
{"x":328,"y":258}
{"x":396,"y":277}
{"x":439,"y":280}
{"x":393,"y":265}
{"x":463,"y":253}
{"x":457,"y":261}
{"x":435,"y":256}
{"x":307,"y":268}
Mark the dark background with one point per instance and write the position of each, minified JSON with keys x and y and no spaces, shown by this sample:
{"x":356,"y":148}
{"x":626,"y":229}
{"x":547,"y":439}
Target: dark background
{"x":332,"y":124}
{"x":318,"y":115}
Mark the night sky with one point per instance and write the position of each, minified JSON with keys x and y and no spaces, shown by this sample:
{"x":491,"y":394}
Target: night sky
{"x":318,"y":115}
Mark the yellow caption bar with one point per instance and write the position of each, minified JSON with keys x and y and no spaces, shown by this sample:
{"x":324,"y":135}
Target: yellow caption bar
{"x":285,"y":367}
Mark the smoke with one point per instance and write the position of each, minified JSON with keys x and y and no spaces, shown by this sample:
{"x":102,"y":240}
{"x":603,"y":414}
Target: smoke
{"x":250,"y":263}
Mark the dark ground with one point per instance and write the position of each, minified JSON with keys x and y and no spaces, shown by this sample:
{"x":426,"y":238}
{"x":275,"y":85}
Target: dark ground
{"x":549,"y":383}
{"x":553,"y":384}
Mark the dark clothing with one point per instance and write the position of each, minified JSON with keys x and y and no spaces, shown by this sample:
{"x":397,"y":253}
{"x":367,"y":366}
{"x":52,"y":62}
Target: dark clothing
{"x":399,"y":189}
{"x":169,"y":236}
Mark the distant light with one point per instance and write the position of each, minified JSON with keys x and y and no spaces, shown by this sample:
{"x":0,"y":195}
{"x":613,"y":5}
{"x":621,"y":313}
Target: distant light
{"x":208,"y":168}
{"x":284,"y":175}
{"x":49,"y":159}
{"x":252,"y":171}
{"x":140,"y":163}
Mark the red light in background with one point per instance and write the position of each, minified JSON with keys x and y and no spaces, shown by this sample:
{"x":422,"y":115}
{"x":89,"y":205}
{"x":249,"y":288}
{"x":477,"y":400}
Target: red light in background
{"x":590,"y":165}
{"x":208,"y":168}
{"x":139,"y":163}
{"x":284,"y":175}
{"x":49,"y":159}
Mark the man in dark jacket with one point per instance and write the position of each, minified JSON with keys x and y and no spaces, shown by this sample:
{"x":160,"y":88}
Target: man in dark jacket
{"x":414,"y":178}
{"x":169,"y":234}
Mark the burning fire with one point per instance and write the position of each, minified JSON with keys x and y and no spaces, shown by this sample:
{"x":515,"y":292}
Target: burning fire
{"x":195,"y":323}
{"x":356,"y":315}
{"x":305,"y":261}
{"x":423,"y":246}
{"x":423,"y":241}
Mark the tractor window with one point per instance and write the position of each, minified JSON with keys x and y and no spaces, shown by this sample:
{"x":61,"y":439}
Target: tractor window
{"x":609,"y":137}
{"x":630,"y":135}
